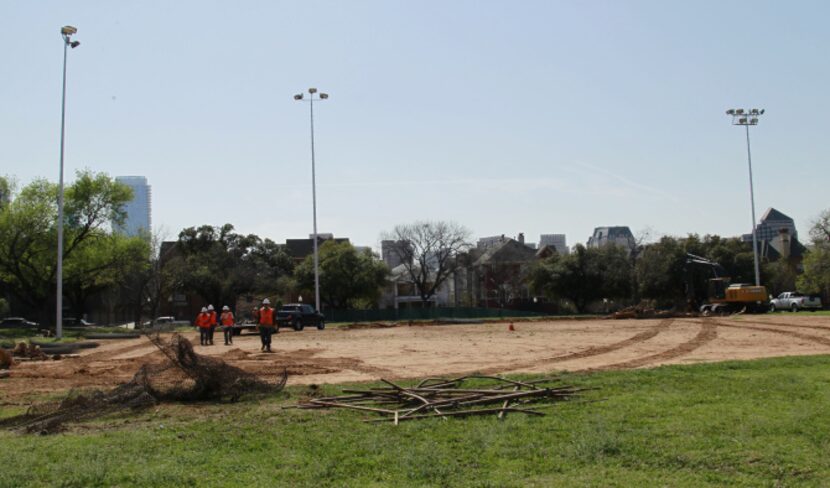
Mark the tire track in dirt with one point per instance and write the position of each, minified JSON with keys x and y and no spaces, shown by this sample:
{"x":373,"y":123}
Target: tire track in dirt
{"x":825,"y":328}
{"x":708,"y":332}
{"x":302,"y":362}
{"x":806,"y":337}
{"x":591,"y":351}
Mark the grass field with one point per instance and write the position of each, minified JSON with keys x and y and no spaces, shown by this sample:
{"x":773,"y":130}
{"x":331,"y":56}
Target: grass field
{"x":754,"y":423}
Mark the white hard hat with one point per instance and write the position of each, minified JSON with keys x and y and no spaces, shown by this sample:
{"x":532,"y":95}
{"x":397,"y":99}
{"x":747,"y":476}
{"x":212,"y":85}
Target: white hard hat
{"x":210,"y":307}
{"x":225,"y":308}
{"x":204,"y":310}
{"x":266,"y":302}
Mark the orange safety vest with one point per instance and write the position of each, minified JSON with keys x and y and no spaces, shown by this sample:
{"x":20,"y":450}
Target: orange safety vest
{"x":266,"y":316}
{"x":227,"y":318}
{"x":212,"y":317}
{"x":203,"y":320}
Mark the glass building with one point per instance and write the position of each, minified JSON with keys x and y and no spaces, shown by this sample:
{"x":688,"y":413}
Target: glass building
{"x":138,"y":209}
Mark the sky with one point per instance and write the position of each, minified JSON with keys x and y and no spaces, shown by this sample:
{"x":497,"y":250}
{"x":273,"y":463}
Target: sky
{"x":506,"y":117}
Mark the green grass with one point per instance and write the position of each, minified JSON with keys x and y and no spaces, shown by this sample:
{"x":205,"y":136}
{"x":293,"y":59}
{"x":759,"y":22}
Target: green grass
{"x":754,"y":423}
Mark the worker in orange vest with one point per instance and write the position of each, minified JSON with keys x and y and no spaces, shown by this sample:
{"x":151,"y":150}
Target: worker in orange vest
{"x":266,"y":325}
{"x":203,"y":323}
{"x":213,"y":322}
{"x":227,"y":321}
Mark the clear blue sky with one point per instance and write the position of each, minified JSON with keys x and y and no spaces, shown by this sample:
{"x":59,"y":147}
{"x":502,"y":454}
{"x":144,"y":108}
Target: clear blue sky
{"x":507,"y":117}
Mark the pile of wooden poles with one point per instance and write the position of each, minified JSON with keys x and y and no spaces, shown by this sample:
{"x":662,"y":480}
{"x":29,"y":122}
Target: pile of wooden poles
{"x":444,"y":398}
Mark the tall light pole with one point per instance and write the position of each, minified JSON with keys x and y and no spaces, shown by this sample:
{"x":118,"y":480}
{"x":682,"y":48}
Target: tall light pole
{"x":746,"y":118}
{"x":67,"y":32}
{"x":310,"y":100}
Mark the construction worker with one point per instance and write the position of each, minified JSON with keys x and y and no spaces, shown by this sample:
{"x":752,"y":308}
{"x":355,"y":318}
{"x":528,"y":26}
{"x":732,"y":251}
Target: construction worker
{"x":255,"y":315}
{"x":266,"y":325}
{"x":227,"y":322}
{"x":213,"y":322}
{"x":203,"y":323}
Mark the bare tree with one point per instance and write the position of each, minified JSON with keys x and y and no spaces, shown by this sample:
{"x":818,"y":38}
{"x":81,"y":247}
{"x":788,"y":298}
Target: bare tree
{"x":428,"y":250}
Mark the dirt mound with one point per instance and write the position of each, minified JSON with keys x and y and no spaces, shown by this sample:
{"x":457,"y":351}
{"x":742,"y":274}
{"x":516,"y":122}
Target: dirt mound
{"x":236,"y":354}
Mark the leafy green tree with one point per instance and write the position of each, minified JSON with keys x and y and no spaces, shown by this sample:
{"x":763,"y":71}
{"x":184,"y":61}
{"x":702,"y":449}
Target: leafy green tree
{"x":779,"y":276}
{"x":816,"y":276}
{"x":585,"y":275}
{"x":348,"y":278}
{"x":93,"y":257}
{"x":661,"y":271}
{"x":220,"y":265}
{"x":7,"y":185}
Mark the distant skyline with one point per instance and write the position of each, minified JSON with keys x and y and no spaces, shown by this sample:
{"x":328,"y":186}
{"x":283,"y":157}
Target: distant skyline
{"x":541,"y":117}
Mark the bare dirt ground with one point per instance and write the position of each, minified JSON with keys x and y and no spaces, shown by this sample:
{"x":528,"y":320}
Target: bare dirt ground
{"x":339,"y":355}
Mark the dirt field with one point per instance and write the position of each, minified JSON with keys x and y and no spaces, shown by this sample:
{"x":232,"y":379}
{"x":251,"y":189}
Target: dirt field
{"x":338,"y":355}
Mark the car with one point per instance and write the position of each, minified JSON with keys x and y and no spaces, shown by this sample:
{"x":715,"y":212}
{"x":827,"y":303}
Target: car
{"x":795,"y":301}
{"x":298,"y":315}
{"x":15,"y":322}
{"x":73,"y":322}
{"x":164,"y":323}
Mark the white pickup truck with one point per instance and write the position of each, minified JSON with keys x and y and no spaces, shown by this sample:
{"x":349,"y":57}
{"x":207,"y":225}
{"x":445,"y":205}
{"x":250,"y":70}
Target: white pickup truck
{"x":794,"y":301}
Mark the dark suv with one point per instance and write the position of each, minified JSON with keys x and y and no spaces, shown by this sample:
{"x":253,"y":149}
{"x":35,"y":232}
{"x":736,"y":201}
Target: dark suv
{"x":298,"y":315}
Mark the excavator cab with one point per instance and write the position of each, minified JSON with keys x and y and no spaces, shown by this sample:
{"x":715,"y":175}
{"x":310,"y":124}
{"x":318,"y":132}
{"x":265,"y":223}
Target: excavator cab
{"x":717,"y":289}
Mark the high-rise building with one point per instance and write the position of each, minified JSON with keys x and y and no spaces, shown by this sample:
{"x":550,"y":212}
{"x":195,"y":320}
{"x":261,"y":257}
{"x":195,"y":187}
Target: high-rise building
{"x":770,"y":226}
{"x":138,"y":209}
{"x":556,"y":241}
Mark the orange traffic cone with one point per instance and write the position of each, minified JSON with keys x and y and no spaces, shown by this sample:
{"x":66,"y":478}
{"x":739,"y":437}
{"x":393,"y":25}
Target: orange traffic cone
{"x":510,"y":327}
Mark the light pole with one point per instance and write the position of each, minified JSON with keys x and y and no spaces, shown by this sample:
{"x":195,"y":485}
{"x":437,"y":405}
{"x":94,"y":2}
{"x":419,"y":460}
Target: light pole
{"x":310,"y":100}
{"x":746,"y":118}
{"x":67,"y":32}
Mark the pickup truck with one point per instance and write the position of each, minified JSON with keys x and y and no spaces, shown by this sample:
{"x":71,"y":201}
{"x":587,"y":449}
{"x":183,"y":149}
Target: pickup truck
{"x":298,"y":315}
{"x":794,"y":301}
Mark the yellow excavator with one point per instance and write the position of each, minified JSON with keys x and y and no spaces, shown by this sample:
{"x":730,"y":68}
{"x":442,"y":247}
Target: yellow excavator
{"x":725,"y":297}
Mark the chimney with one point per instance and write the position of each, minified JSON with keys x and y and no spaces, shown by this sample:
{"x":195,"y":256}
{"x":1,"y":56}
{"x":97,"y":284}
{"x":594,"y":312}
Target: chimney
{"x":521,"y":238}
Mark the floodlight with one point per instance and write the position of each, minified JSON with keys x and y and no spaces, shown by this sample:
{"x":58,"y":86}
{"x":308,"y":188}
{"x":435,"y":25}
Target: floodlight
{"x":731,"y":111}
{"x":742,"y":120}
{"x":324,"y":96}
{"x":298,"y":96}
{"x":753,"y":120}
{"x":761,"y":112}
{"x":68,"y":30}
{"x":312,"y":90}
{"x":74,"y":44}
{"x":739,"y":111}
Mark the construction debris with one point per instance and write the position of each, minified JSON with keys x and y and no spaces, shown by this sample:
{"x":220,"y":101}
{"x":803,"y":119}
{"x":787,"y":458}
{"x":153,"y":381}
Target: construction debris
{"x":644,"y":312}
{"x":29,"y":351}
{"x":183,"y":376}
{"x":6,"y":359}
{"x":442,"y":397}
